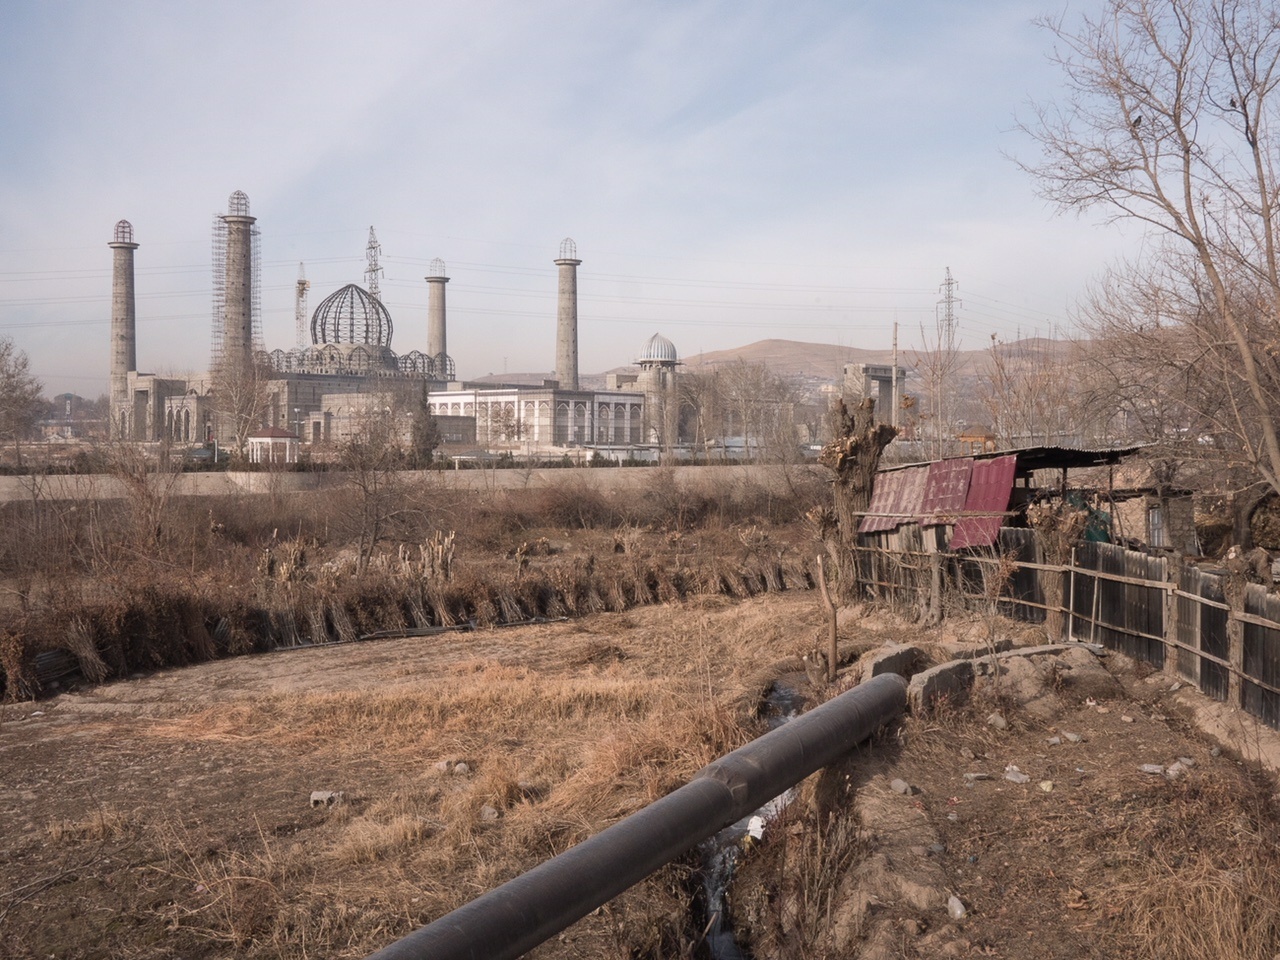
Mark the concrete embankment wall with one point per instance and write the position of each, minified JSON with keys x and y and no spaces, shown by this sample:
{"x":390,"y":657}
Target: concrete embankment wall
{"x":105,"y":487}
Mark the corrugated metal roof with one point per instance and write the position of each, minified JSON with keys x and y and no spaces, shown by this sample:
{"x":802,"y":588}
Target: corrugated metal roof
{"x":1044,"y":458}
{"x":945,"y":490}
{"x":895,"y":500}
{"x":883,"y":496}
{"x":989,"y":489}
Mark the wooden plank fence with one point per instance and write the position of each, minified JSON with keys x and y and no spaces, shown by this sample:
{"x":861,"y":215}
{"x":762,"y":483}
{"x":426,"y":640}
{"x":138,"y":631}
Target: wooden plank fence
{"x":1175,"y":616}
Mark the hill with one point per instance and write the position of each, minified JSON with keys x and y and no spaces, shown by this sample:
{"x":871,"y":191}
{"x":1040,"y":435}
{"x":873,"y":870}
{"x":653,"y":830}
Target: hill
{"x":791,"y":358}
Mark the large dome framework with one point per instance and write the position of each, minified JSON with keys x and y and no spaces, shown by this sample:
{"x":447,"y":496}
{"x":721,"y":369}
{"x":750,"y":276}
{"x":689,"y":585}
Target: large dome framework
{"x":351,"y":315}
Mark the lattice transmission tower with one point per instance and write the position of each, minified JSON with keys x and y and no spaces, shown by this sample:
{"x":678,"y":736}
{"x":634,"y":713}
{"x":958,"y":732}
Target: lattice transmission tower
{"x":372,"y":270}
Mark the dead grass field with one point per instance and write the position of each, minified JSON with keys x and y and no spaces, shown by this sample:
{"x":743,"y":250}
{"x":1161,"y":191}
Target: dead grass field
{"x":170,"y":815}
{"x":167,"y":812}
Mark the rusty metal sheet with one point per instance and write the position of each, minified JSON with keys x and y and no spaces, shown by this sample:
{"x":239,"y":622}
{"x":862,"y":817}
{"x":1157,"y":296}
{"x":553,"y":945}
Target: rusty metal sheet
{"x":911,"y":495}
{"x":883,"y":497}
{"x":990,"y":487}
{"x":895,"y":500}
{"x":945,"y":490}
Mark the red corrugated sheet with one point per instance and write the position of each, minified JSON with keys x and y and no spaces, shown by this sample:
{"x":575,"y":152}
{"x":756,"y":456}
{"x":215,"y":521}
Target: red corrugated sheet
{"x":945,"y":490}
{"x":990,"y":487}
{"x":895,"y":500}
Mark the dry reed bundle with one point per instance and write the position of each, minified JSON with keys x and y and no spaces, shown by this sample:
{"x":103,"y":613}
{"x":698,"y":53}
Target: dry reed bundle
{"x":317,"y":627}
{"x":82,"y":641}
{"x":343,"y":627}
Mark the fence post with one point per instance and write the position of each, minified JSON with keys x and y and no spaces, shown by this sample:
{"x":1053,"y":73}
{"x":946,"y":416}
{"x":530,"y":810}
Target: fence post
{"x":1234,"y":587}
{"x":1173,"y":577}
{"x":1071,"y":599}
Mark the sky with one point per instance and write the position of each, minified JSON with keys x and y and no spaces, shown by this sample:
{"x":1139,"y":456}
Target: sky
{"x":730,"y":170}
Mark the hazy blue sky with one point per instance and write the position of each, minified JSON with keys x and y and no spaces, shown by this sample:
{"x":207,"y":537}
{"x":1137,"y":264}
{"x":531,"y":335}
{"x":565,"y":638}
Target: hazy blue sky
{"x":731,"y":171}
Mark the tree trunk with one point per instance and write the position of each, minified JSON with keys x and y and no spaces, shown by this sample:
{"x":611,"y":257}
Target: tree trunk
{"x":854,"y":457}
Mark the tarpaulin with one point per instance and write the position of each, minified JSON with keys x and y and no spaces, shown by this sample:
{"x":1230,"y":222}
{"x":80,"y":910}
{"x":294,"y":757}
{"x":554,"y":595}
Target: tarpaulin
{"x":990,"y":487}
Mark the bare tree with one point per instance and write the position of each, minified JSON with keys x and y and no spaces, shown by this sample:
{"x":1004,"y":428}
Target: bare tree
{"x":241,"y":391}
{"x":937,"y":362}
{"x":19,"y":397}
{"x":1026,"y":395}
{"x":1169,"y":122}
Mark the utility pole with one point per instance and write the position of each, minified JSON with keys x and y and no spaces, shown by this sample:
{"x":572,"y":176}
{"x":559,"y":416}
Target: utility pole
{"x":893,"y":413}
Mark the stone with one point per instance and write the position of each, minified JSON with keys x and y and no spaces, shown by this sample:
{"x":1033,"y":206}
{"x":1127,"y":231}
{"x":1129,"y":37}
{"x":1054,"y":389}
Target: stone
{"x":1154,"y":769}
{"x":971,"y":777}
{"x":1175,"y":688}
{"x":997,"y":721}
{"x":1046,"y":786}
{"x":1104,"y":709}
{"x":899,"y":658}
{"x":1125,"y":718}
{"x":968,"y":754}
{"x":461,"y":769}
{"x":488,"y":813}
{"x":1175,"y":770}
{"x":1014,"y":775}
{"x":956,"y":650}
{"x":1054,"y":741}
{"x":326,"y":798}
{"x":902,"y":787}
{"x":955,"y":908}
{"x":1186,"y":762}
{"x":1215,"y":751}
{"x":1073,"y":737}
{"x":442,"y":766}
{"x":937,"y":848}
{"x":952,"y":680}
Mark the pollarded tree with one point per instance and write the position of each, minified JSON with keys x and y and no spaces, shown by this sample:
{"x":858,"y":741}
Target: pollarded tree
{"x":1170,"y":121}
{"x":19,"y":397}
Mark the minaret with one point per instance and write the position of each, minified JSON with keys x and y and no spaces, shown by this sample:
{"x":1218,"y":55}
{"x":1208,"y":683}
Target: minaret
{"x":567,"y":316}
{"x":124,"y":342}
{"x":237,"y":325}
{"x":437,"y":347}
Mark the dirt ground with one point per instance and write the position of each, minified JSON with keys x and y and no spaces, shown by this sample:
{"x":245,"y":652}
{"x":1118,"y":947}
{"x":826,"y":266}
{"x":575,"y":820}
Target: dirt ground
{"x":172,"y":815}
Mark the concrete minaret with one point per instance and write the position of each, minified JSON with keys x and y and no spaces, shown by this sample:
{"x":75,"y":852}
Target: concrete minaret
{"x":567,"y":316}
{"x":124,"y":340}
{"x":237,"y":325}
{"x":436,"y":346}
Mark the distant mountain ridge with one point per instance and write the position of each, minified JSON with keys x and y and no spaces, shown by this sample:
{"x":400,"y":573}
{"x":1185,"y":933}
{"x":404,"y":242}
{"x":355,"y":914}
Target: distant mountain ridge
{"x":798,"y":358}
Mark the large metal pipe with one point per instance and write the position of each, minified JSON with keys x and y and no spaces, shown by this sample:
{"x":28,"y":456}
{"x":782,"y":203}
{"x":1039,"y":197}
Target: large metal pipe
{"x":537,"y":905}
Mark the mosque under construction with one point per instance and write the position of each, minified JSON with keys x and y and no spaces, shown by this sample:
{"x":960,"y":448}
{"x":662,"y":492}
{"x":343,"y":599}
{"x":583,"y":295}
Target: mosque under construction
{"x":327,"y":390}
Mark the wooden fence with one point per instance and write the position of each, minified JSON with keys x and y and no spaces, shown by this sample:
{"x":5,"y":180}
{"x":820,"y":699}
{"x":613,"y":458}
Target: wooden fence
{"x":1221,"y":636}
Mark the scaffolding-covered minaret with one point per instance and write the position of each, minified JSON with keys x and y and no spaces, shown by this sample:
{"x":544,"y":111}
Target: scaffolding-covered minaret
{"x":236,"y":282}
{"x":124,"y":338}
{"x":567,"y":316}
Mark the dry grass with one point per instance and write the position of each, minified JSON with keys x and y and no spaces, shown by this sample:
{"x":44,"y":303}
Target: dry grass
{"x":106,"y":824}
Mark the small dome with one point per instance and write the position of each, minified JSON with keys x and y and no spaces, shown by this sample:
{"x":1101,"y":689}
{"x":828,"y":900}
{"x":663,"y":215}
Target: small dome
{"x":238,"y":204}
{"x":124,"y":232}
{"x":658,"y":349}
{"x":351,"y":315}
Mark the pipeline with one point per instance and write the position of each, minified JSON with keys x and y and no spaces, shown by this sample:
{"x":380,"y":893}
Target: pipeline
{"x":522,"y":913}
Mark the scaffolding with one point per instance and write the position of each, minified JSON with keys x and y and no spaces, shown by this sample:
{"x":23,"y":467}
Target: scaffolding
{"x":238,"y":206}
